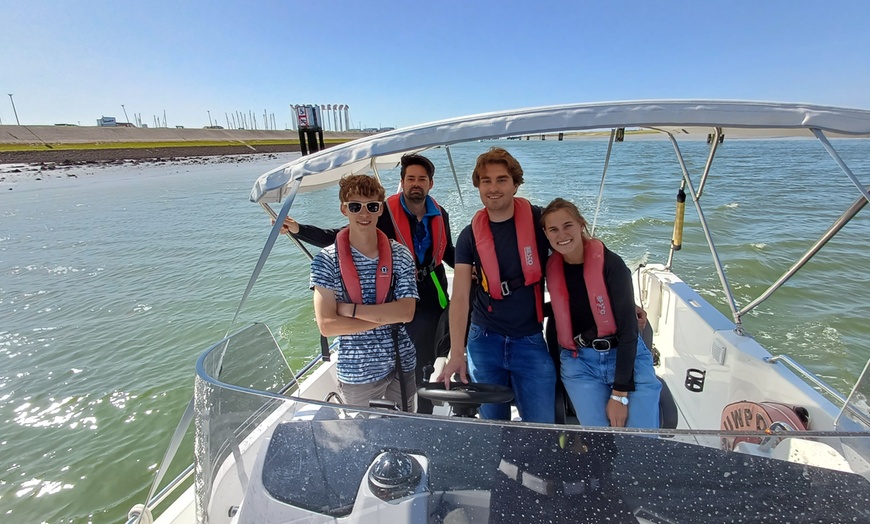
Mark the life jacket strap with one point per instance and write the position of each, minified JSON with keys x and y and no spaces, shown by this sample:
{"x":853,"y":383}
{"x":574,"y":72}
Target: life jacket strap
{"x":442,"y":296}
{"x":509,"y":286}
{"x":324,"y":349}
{"x":425,"y":271}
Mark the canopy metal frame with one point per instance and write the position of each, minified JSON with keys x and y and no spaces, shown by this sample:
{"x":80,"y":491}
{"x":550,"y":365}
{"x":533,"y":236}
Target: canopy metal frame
{"x":738,"y":313}
{"x":839,"y":223}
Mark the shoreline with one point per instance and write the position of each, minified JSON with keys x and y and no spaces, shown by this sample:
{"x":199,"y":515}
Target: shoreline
{"x":71,"y":157}
{"x":30,"y":169}
{"x":54,"y":147}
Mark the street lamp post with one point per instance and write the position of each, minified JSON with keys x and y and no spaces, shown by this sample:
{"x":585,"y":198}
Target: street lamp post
{"x":14,"y":110}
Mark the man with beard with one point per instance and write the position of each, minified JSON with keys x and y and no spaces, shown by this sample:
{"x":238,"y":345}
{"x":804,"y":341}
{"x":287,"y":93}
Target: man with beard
{"x":415,"y":220}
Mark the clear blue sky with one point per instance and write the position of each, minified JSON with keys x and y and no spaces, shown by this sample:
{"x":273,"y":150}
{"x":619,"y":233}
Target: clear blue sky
{"x":405,"y":62}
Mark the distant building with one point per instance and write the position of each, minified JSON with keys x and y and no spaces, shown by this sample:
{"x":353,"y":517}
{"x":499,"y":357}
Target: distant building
{"x":110,"y":121}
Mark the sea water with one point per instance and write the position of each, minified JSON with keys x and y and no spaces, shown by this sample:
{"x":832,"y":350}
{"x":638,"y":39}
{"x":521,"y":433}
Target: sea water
{"x":113,"y":282}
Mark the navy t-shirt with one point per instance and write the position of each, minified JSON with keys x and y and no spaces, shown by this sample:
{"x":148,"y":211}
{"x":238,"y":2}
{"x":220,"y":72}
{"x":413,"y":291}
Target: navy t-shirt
{"x":516,"y":315}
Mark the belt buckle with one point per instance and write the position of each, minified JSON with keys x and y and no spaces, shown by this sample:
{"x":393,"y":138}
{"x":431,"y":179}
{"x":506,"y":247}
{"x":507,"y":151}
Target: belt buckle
{"x":505,"y":289}
{"x":601,"y":345}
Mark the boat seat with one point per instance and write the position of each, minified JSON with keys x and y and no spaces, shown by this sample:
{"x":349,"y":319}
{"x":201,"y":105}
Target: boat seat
{"x":668,"y":413}
{"x":668,"y":417}
{"x":564,"y":409}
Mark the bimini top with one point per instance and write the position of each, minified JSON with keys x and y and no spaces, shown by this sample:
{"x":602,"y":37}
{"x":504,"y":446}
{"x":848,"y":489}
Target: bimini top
{"x":678,"y":117}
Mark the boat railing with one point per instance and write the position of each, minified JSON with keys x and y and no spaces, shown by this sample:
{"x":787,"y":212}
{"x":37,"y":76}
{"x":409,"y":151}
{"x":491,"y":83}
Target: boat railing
{"x":826,"y":388}
{"x":808,"y":375}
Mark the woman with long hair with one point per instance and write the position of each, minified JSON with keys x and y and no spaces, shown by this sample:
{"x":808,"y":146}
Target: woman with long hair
{"x":606,"y":368}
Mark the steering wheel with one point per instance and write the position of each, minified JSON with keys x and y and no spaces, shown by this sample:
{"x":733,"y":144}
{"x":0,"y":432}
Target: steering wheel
{"x":466,"y":398}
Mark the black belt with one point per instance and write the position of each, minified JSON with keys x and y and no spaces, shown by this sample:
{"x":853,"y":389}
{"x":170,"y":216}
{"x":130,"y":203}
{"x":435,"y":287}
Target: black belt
{"x":548,"y":487}
{"x":602,"y":344}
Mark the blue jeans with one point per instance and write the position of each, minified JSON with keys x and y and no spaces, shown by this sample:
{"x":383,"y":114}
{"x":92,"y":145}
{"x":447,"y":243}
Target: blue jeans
{"x":588,"y":378}
{"x":524,"y":363}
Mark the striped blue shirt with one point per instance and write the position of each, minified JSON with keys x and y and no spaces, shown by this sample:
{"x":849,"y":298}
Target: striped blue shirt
{"x":369,"y":356}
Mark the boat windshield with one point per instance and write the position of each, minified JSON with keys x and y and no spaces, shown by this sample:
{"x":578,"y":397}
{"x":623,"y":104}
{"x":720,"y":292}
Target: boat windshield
{"x":263,"y":454}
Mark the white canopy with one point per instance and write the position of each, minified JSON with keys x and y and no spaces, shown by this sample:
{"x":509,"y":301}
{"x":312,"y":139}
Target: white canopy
{"x":679,"y":117}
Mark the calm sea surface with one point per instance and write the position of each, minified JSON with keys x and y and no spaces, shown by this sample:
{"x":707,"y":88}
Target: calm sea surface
{"x":112,"y":283}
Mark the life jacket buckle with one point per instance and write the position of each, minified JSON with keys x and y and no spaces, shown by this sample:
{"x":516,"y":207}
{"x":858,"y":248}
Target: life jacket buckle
{"x":505,"y":289}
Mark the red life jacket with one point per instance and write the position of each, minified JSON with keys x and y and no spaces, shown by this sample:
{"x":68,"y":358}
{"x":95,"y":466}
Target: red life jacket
{"x":350,"y":276}
{"x":527,"y":246}
{"x":596,"y":289}
{"x":403,"y":230}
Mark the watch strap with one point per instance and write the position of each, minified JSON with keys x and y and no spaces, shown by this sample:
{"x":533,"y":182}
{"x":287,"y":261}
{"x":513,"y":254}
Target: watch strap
{"x":621,"y":400}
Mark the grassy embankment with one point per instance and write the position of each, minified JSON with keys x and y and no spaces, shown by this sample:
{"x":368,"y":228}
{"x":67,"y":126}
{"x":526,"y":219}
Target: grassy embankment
{"x":90,"y":146}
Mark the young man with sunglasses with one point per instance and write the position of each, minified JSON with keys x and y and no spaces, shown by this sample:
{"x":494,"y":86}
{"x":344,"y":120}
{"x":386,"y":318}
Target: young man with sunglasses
{"x":364,"y":291}
{"x":415,"y":220}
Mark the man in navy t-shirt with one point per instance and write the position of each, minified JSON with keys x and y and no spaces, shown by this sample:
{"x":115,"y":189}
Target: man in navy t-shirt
{"x":507,"y":248}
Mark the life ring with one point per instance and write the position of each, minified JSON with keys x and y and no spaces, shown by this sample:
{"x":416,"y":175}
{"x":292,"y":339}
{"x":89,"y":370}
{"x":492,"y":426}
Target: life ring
{"x":760,"y":416}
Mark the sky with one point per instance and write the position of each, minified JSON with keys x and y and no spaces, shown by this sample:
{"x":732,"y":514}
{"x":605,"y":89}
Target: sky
{"x":400,"y":63}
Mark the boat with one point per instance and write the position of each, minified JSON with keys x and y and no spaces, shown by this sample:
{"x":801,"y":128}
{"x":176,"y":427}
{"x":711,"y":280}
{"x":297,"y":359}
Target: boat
{"x":748,"y":436}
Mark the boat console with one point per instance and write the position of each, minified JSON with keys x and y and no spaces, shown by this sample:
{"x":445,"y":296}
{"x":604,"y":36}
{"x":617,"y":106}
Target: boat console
{"x":413,"y":469}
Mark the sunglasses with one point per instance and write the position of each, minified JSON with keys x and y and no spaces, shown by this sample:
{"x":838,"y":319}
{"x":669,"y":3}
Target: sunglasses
{"x":356,"y":207}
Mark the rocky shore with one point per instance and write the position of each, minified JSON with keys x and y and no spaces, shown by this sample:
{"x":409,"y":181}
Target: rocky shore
{"x":39,"y":167}
{"x":40,"y":143}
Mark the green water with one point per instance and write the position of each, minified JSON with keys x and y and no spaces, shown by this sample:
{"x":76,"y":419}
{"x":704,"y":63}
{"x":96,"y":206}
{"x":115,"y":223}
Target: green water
{"x":112,"y":283}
